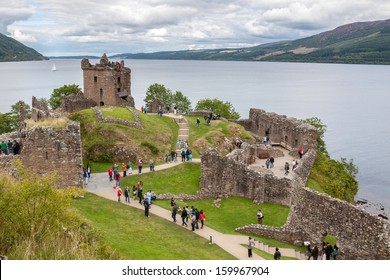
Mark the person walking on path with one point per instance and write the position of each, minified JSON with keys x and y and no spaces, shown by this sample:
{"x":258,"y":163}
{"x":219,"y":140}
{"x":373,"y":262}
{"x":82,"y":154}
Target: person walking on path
{"x":193,"y":222}
{"x":300,"y":152}
{"x":124,"y":169}
{"x":251,"y":245}
{"x":260,"y":217}
{"x":271,"y":162}
{"x":175,"y":208}
{"x":146,"y":205}
{"x":286,"y":168}
{"x":119,"y":194}
{"x":151,"y":165}
{"x":127,"y":195}
{"x":277,"y":254}
{"x":110,"y":174}
{"x":202,"y":218}
{"x":139,"y":166}
{"x":85,"y":175}
{"x":184,"y":216}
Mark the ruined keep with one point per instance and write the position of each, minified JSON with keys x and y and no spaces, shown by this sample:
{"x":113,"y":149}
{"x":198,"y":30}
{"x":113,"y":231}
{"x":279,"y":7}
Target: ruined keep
{"x":46,"y":149}
{"x":313,"y":215}
{"x":107,"y":83}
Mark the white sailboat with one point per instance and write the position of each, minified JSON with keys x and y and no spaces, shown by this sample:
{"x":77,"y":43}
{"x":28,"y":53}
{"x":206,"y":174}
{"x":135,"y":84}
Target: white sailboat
{"x":53,"y":68}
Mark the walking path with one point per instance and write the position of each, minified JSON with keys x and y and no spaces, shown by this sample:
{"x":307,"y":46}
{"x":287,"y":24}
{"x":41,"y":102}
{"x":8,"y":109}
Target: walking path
{"x":100,"y":185}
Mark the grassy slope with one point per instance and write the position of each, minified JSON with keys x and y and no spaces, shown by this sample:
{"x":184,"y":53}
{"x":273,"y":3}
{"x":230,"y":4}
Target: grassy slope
{"x":101,"y":140}
{"x":213,"y":136}
{"x":135,"y":237}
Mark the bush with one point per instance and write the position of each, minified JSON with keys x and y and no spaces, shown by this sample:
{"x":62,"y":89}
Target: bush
{"x":36,"y":221}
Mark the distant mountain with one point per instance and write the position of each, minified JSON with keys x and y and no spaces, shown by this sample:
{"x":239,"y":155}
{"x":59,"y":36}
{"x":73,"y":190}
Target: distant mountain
{"x":12,"y":50}
{"x":361,"y":42}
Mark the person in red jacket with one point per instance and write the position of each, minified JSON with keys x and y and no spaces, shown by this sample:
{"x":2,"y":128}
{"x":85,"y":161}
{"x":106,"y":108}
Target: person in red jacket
{"x":119,"y":193}
{"x":202,"y":218}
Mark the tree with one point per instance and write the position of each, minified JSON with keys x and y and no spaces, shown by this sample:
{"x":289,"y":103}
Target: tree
{"x":58,"y":93}
{"x":170,"y":100}
{"x":181,"y":102}
{"x":350,"y":167}
{"x":10,"y":121}
{"x":218,"y":107}
{"x":157,"y":91}
{"x":321,"y":129}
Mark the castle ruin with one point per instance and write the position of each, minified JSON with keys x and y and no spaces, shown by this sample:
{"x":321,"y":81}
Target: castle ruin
{"x":313,"y":215}
{"x":107,"y":83}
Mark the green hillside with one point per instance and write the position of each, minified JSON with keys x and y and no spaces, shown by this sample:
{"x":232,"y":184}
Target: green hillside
{"x":362,"y":42}
{"x":12,"y":50}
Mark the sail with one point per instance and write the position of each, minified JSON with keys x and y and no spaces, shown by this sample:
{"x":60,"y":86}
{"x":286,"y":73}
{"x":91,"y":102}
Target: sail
{"x":53,"y":68}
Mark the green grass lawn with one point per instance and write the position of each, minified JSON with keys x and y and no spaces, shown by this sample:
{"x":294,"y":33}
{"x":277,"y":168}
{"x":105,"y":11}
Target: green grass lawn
{"x":235,"y":212}
{"x":136,"y":237}
{"x":267,"y":256}
{"x":117,"y":113}
{"x":180,"y":179}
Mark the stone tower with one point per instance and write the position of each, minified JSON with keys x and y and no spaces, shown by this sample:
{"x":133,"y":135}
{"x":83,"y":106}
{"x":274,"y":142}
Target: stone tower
{"x":107,"y":83}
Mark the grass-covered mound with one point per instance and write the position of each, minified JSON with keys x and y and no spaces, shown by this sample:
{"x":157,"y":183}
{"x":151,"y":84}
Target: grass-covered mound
{"x":136,"y":237}
{"x":108,"y":142}
{"x":216,"y":135}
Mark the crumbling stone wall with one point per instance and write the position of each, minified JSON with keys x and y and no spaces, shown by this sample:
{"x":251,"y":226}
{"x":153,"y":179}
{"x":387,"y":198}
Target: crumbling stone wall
{"x":288,"y":132}
{"x":46,"y":149}
{"x":39,"y":110}
{"x":107,"y":83}
{"x":155,"y":106}
{"x":101,"y":119}
{"x":224,"y":177}
{"x":76,"y":102}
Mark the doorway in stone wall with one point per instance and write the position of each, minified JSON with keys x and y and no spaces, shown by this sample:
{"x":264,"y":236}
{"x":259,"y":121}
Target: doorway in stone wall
{"x":101,"y":103}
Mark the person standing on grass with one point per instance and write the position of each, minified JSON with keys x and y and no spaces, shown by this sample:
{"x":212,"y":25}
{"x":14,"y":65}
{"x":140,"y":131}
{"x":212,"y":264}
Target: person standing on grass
{"x":149,"y":197}
{"x":277,"y":254}
{"x":251,"y":245}
{"x":139,"y":191}
{"x":260,"y":217}
{"x":198,"y":122}
{"x":202,"y":218}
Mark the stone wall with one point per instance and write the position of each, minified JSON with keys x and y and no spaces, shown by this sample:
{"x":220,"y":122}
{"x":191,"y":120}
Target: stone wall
{"x":101,"y":119}
{"x":45,"y":149}
{"x":107,"y":83}
{"x":288,"y":132}
{"x":76,"y":102}
{"x":235,"y":179}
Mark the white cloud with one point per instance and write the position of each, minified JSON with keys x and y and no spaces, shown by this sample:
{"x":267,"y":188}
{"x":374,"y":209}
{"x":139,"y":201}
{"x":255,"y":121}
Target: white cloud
{"x":18,"y":35}
{"x":115,"y":26}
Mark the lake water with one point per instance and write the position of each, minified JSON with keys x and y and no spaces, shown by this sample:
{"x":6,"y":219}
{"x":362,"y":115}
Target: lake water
{"x":352,"y":100}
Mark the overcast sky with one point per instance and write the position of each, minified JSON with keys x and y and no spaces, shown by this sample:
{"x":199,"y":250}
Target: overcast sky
{"x":81,"y":27}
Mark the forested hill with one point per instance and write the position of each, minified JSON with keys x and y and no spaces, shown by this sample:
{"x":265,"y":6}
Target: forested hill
{"x":361,"y":42}
{"x":12,"y":50}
